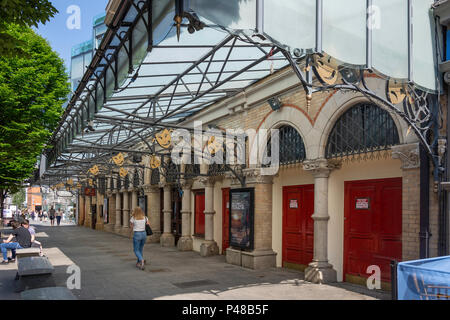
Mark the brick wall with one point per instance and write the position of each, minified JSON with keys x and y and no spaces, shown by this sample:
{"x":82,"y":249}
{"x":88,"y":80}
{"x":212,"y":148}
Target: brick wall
{"x":263,"y":217}
{"x":411,"y":214}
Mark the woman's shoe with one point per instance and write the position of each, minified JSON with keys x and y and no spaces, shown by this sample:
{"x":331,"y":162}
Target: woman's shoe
{"x":5,"y":262}
{"x":142,"y":264}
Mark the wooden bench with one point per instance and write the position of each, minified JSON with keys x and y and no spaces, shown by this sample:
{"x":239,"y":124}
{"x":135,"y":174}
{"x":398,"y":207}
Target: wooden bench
{"x":50,"y":293}
{"x":34,"y":273}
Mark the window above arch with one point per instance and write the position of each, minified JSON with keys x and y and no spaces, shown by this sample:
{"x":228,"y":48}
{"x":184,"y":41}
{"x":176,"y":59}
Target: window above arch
{"x":292,"y":148}
{"x":363,"y":128}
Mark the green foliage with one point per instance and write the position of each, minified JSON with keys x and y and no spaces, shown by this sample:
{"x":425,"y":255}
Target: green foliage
{"x":18,"y":198}
{"x":24,"y":13}
{"x":33,"y":88}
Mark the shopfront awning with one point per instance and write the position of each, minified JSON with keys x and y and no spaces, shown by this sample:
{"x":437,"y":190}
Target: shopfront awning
{"x":162,"y":61}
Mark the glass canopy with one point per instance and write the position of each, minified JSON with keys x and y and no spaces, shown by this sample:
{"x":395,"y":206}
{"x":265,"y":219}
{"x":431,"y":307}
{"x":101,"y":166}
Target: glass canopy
{"x":150,"y":73}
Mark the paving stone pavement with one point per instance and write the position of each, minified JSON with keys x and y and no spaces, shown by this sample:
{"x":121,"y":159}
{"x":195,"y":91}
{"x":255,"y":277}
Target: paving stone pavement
{"x":108,"y":271}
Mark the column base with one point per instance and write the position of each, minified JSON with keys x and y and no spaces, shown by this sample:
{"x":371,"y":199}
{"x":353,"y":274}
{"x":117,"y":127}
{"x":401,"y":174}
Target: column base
{"x":233,"y":256}
{"x":155,"y":237}
{"x":259,"y":259}
{"x":209,"y":248}
{"x":99,"y":226}
{"x":167,"y":240}
{"x":117,"y":229}
{"x":320,"y":273}
{"x":126,"y":232}
{"x":185,"y":244}
{"x":108,"y":228}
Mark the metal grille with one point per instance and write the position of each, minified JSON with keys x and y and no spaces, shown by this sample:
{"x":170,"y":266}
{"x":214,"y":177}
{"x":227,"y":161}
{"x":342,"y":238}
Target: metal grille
{"x":102,"y":185}
{"x":191,"y":170}
{"x":362,"y":129}
{"x":155,"y":178}
{"x":136,"y":181}
{"x":119,"y":183}
{"x":126,"y":182}
{"x":216,"y":169}
{"x":292,"y":148}
{"x":172,"y":172}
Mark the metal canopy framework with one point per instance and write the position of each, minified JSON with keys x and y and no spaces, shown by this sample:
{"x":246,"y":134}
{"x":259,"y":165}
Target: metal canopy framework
{"x":162,"y":61}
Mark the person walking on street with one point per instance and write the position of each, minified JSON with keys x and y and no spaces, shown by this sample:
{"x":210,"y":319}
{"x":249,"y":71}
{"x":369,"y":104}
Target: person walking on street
{"x":137,"y":223}
{"x":52,"y":214}
{"x":58,"y":216}
{"x":22,"y":240}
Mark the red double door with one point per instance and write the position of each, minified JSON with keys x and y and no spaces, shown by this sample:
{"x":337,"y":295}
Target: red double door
{"x":373,"y":226}
{"x":298,"y":226}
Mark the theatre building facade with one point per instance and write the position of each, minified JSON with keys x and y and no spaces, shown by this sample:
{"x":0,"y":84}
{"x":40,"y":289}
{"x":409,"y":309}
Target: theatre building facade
{"x":346,"y":195}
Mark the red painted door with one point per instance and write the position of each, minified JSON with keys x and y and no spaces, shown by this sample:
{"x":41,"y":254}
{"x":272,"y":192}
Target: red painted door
{"x":225,"y":219}
{"x":199,"y":214}
{"x":298,"y":226}
{"x":373,"y":226}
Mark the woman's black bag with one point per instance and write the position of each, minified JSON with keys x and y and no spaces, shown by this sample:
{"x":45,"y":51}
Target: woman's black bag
{"x":148,"y":230}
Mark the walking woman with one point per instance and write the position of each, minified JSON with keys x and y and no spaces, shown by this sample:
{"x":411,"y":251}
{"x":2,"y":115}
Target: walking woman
{"x":137,"y":222}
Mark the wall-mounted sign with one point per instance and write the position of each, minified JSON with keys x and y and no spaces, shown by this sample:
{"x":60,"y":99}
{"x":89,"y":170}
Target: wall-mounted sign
{"x":142,"y":203}
{"x":362,"y":204}
{"x":241,"y":218}
{"x":293,"y":204}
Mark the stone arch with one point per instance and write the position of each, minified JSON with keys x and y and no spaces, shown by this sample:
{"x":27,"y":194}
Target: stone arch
{"x":336,"y":107}
{"x":289,"y":115}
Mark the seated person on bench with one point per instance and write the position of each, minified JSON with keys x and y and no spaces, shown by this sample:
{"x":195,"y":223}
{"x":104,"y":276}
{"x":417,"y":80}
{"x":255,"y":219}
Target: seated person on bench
{"x":34,"y":242}
{"x":22,"y":240}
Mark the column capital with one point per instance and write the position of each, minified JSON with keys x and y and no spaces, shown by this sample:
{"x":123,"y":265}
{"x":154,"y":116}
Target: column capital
{"x":109,"y":193}
{"x":321,"y":168}
{"x":186,"y":184}
{"x":408,"y":154}
{"x":207,"y":181}
{"x":148,"y":188}
{"x":255,"y":176}
{"x":123,"y":190}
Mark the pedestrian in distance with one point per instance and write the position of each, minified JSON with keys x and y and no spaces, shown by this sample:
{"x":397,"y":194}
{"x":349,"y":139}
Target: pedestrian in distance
{"x":22,"y":239}
{"x":52,"y":214}
{"x":58,"y":217}
{"x":137,"y":223}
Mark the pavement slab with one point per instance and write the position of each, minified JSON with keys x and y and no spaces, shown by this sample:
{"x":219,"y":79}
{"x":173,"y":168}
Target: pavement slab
{"x":108,"y":271}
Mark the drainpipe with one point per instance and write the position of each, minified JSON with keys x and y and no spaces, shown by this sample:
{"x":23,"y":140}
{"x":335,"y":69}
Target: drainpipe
{"x":424,"y":233}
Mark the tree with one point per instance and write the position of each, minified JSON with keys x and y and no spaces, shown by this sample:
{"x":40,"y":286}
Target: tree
{"x":24,"y":13}
{"x":33,"y":88}
{"x":18,"y":198}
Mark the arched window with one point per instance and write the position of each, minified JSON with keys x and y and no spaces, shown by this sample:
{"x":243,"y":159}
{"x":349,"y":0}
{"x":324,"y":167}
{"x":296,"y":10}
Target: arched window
{"x":292,"y":148}
{"x":155,"y":178}
{"x":364,"y":128}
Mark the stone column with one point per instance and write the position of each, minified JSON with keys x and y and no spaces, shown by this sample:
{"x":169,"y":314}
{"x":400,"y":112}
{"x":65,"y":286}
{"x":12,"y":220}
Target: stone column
{"x":134,"y":199}
{"x":185,"y":243}
{"x":167,"y":238}
{"x":81,"y":210}
{"x":209,"y":246}
{"x":126,"y":213}
{"x":87,"y":212}
{"x":153,"y":195}
{"x":111,"y":206}
{"x":319,"y":270}
{"x":118,"y":225}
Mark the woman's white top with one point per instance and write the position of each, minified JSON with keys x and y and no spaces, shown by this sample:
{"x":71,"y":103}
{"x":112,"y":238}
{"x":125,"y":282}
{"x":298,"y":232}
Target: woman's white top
{"x":138,"y":225}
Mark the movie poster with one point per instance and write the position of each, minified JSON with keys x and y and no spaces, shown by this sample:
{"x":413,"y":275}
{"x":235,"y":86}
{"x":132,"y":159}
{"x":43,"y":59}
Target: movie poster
{"x":142,"y":203}
{"x":241,"y":218}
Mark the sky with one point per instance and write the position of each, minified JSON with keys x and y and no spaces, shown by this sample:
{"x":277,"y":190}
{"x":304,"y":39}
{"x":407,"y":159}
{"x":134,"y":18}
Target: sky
{"x":72,"y":25}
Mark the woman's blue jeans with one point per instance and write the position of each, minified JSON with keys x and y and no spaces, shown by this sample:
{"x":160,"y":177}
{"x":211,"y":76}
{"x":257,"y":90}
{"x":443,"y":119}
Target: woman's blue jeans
{"x":139,"y":239}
